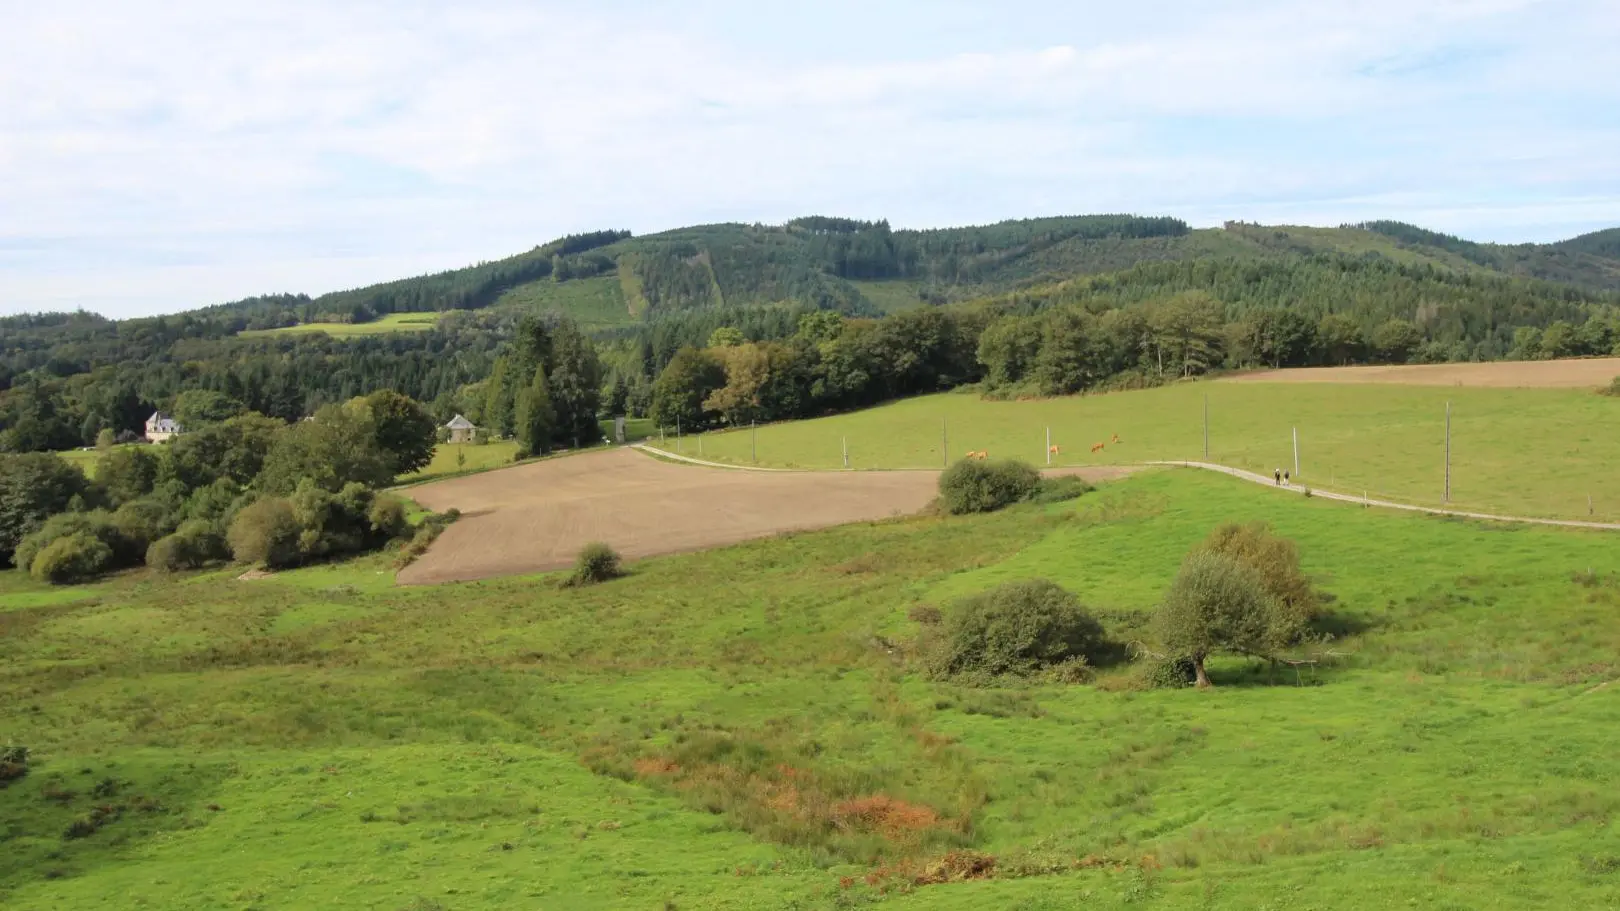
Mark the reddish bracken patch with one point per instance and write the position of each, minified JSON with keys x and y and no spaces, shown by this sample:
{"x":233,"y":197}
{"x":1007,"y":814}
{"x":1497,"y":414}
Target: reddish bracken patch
{"x":955,"y":867}
{"x":656,"y":765}
{"x":892,"y":818}
{"x":958,"y":866}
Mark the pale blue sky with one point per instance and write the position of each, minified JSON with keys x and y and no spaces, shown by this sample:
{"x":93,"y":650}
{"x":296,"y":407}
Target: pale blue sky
{"x":156,"y":157}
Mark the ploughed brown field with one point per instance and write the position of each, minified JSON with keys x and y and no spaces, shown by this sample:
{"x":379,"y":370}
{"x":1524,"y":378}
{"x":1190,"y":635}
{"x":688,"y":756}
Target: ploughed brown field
{"x":1568,"y":374}
{"x":536,"y":517}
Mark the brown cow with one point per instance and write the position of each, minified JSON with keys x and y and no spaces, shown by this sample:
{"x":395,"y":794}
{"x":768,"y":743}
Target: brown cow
{"x":1097,"y":448}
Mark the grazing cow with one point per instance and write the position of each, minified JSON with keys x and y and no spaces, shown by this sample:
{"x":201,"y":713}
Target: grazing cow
{"x":982,"y":455}
{"x":1053,"y":450}
{"x":1097,"y":448}
{"x":1116,"y":438}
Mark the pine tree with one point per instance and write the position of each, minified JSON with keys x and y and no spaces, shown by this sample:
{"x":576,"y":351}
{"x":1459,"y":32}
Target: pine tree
{"x":536,"y":419}
{"x":618,"y":397}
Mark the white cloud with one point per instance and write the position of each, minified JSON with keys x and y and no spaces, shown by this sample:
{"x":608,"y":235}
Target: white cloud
{"x":309,"y":145}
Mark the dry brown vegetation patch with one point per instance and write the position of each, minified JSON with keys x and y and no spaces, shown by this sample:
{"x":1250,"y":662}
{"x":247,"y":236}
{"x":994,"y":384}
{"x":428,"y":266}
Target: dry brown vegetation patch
{"x":894,"y":819}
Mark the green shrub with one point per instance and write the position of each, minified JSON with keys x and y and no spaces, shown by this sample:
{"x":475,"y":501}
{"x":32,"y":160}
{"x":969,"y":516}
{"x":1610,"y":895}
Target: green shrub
{"x":74,"y":558}
{"x":193,"y":545}
{"x":1167,"y":673}
{"x":1613,"y":389}
{"x":96,"y":523}
{"x":973,"y":486}
{"x":597,"y":563}
{"x":427,"y":532}
{"x":265,"y":533}
{"x":387,"y":518}
{"x":13,"y":764}
{"x":139,"y":523}
{"x":1018,"y":628}
{"x":1061,"y":489}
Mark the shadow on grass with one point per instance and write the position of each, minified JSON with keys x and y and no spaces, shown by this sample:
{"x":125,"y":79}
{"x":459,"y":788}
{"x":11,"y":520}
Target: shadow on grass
{"x":1340,"y":625}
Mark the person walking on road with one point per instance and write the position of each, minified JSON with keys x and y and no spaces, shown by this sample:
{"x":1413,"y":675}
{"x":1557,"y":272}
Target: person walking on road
{"x":1277,"y":476}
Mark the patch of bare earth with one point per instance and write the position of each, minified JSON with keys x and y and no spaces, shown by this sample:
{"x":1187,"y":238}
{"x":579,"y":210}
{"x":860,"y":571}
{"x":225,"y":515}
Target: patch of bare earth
{"x":535,"y":518}
{"x":1588,"y":373}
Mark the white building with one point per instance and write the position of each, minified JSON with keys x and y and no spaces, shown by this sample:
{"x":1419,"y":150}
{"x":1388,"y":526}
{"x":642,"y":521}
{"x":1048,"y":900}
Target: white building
{"x":161,"y":427}
{"x":461,"y":429}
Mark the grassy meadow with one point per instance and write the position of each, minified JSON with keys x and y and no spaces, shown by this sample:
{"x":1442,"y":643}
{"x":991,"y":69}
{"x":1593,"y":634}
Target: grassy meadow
{"x":451,"y":459}
{"x":1535,"y":452}
{"x":739,"y":729}
{"x":85,"y":459}
{"x":389,"y":322}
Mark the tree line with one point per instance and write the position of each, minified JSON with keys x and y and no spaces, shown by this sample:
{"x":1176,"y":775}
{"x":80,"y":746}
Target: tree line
{"x":66,"y":377}
{"x":239,"y":486}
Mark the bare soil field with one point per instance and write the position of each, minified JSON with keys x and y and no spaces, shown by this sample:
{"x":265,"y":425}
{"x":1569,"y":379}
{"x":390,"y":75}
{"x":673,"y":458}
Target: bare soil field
{"x":1568,"y":374}
{"x":534,"y":518}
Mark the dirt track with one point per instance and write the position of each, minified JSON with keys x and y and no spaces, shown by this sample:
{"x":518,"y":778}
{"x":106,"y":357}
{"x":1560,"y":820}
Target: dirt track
{"x":1570,"y":374}
{"x":534,"y":518}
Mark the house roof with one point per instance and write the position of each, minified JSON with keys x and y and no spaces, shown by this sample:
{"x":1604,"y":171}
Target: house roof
{"x":158,"y":416}
{"x":460,"y":423}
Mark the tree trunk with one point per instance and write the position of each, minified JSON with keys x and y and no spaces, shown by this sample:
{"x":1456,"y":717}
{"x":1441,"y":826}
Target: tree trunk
{"x":1203,"y":678}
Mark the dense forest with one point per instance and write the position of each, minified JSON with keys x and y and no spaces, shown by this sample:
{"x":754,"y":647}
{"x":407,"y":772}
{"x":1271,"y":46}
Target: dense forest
{"x":962,"y":305}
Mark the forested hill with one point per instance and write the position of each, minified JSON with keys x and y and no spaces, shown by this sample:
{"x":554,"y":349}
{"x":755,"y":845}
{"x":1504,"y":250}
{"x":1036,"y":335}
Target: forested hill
{"x":814,"y":260}
{"x":858,"y":267}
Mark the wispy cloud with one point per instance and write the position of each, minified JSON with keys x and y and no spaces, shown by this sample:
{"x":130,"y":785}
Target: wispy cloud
{"x":156,"y":157}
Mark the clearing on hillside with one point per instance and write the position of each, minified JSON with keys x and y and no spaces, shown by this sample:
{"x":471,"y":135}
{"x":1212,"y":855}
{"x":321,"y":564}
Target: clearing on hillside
{"x":536,"y":517}
{"x":1566,"y":374}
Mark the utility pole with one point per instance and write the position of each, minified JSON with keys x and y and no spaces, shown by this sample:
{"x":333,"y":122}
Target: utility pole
{"x":677,"y":433}
{"x":1448,"y":453}
{"x":753,"y":439}
{"x":846,"y":453}
{"x":1049,"y":447}
{"x":1296,"y":452}
{"x":1206,"y":427}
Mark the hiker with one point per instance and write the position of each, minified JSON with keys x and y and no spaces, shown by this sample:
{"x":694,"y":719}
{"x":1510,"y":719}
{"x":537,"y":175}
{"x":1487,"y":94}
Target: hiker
{"x":1285,"y":479}
{"x":1277,"y":476}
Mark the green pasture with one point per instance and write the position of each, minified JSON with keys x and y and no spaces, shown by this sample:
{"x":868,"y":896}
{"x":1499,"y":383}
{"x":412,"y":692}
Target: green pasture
{"x":465,"y":458}
{"x":85,"y":459}
{"x":390,"y":322}
{"x":1535,"y":452}
{"x":322,"y":739}
{"x":450,"y":459}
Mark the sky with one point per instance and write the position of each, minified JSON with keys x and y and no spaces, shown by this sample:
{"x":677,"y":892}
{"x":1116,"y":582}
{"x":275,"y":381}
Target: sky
{"x":157,"y":157}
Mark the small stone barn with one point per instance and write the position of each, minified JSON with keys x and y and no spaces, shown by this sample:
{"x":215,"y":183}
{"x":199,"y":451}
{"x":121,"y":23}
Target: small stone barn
{"x":461,"y":429}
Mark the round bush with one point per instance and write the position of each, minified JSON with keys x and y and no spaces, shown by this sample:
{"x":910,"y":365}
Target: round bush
{"x":387,"y":518}
{"x":973,"y":486}
{"x":265,"y":533}
{"x":74,"y":558}
{"x":97,"y":524}
{"x":1018,"y":628}
{"x":194,"y":544}
{"x":141,"y":522}
{"x":597,"y":563}
{"x":1168,"y":673}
